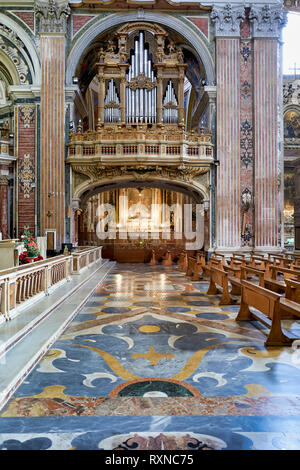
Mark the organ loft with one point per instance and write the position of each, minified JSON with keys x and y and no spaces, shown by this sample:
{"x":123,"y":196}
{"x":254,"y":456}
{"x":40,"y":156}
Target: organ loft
{"x":137,"y":124}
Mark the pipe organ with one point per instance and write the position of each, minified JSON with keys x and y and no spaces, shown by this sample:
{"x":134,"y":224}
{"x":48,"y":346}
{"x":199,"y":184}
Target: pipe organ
{"x":112,"y":104}
{"x":141,"y":90}
{"x":140,"y":119}
{"x":141,"y":78}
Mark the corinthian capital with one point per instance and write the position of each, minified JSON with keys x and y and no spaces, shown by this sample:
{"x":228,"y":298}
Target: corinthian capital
{"x":227,"y":19}
{"x":53,"y":17}
{"x":266,"y":21}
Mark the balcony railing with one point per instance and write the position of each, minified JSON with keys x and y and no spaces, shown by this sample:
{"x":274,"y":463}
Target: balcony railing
{"x":165,"y":146}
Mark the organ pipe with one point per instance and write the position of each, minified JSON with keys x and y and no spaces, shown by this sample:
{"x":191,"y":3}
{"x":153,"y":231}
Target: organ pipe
{"x":111,"y":103}
{"x":141,"y":102}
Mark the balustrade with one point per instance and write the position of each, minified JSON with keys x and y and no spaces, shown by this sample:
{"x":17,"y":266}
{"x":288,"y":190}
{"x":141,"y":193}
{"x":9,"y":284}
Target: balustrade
{"x":19,"y":285}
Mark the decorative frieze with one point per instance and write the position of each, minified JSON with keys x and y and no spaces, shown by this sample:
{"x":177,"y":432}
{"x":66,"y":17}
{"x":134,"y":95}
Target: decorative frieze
{"x":26,"y":168}
{"x":15,"y":57}
{"x":246,"y":143}
{"x":227,"y":19}
{"x":27,"y":115}
{"x":4,"y":180}
{"x":11,"y":35}
{"x":53,"y":17}
{"x":26,"y":175}
{"x":184,"y":173}
{"x":246,"y":135}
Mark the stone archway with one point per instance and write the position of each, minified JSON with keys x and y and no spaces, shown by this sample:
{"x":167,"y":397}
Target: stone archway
{"x":172,"y":194}
{"x":115,"y":20}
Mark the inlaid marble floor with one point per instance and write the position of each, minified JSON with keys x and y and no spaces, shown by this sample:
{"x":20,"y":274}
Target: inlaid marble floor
{"x":152,"y":362}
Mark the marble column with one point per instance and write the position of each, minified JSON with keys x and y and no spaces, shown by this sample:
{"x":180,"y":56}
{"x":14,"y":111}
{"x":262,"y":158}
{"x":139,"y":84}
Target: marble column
{"x":227,"y":21}
{"x":4,"y":206}
{"x":266,"y":23}
{"x":52,"y":31}
{"x":211,"y":212}
{"x":297,"y":206}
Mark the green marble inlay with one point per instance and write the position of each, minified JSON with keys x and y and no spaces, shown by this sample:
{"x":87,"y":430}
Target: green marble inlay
{"x":139,"y":389}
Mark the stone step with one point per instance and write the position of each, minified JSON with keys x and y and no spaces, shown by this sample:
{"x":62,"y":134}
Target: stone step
{"x":39,"y":326}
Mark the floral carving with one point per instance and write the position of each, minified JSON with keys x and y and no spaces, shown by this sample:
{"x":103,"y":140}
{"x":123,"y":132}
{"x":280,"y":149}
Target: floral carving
{"x":53,"y":18}
{"x":227,"y":20}
{"x":26,"y":175}
{"x":27,"y":115}
{"x":246,"y":143}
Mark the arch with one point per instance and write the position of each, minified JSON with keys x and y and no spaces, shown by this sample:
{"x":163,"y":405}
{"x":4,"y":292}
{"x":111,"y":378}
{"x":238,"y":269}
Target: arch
{"x":10,"y":68}
{"x":148,"y":16}
{"x":192,"y":188}
{"x":31,"y":56}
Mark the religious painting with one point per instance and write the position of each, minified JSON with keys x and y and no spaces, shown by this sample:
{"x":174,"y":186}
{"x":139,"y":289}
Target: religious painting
{"x":292,"y":124}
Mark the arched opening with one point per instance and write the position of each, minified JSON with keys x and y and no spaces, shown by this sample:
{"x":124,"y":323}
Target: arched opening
{"x":131,"y":219}
{"x":140,"y":46}
{"x":141,"y":123}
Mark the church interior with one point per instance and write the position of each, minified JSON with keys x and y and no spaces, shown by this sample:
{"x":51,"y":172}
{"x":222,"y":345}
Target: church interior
{"x":149,"y":226}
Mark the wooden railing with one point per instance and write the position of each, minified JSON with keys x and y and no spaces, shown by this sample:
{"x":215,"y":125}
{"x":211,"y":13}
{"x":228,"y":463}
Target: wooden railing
{"x":20,"y":284}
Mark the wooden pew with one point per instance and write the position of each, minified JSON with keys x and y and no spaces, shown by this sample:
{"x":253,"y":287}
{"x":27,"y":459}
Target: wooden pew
{"x":194,"y":268}
{"x":237,"y":260}
{"x":279,"y":260}
{"x":183,"y":261}
{"x":295,"y":260}
{"x":153,"y":259}
{"x":220,"y":259}
{"x":219,"y":277}
{"x":235,"y":275}
{"x":292,"y":293}
{"x":260,"y":262}
{"x":167,"y":259}
{"x":267,"y":303}
{"x":289,"y":308}
{"x":278,"y":285}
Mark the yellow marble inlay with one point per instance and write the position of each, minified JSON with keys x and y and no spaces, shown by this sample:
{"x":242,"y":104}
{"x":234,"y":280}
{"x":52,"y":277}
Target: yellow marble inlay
{"x":52,"y":353}
{"x":152,"y":356}
{"x":149,"y":329}
{"x":255,"y":390}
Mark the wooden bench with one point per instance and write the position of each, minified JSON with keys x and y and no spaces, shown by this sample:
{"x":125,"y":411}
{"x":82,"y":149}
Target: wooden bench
{"x":259,"y":262}
{"x":279,"y":260}
{"x":167,"y":259}
{"x":278,"y":285}
{"x":235,"y":275}
{"x":267,"y":311}
{"x":194,"y":268}
{"x":295,"y":259}
{"x":153,"y":259}
{"x":292,"y":293}
{"x":183,"y":261}
{"x":219,"y":277}
{"x":237,"y":260}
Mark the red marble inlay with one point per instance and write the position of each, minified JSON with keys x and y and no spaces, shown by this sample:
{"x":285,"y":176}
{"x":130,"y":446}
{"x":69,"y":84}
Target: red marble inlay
{"x":201,"y":23}
{"x":79,"y":21}
{"x":27,"y":17}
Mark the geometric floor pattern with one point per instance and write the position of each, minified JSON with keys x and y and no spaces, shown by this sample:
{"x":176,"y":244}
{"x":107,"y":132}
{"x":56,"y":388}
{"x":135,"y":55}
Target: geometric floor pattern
{"x":152,"y":362}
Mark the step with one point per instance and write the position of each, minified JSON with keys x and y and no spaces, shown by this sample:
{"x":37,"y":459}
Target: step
{"x":25,"y":346}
